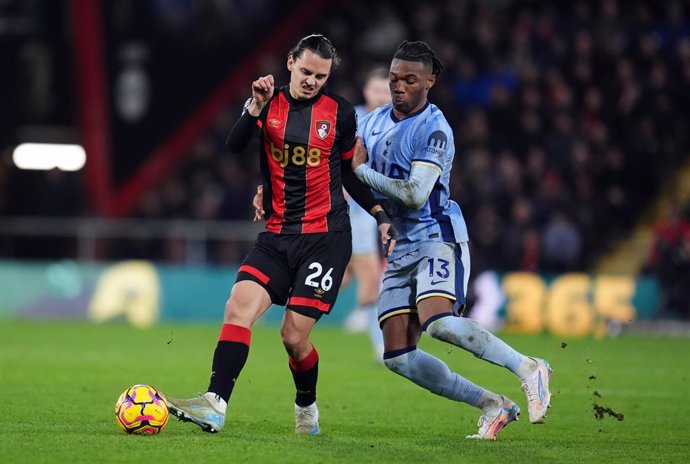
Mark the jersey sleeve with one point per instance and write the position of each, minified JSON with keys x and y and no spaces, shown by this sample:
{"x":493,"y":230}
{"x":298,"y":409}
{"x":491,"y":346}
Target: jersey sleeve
{"x":347,"y":130}
{"x":432,"y":146}
{"x":245,"y":128}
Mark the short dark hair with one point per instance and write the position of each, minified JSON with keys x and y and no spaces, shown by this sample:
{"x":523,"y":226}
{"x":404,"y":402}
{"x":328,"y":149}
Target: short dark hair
{"x":318,"y":44}
{"x":419,"y":51}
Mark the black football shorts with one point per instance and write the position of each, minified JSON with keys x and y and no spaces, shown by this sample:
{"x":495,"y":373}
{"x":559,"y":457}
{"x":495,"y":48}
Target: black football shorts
{"x":300,"y":271}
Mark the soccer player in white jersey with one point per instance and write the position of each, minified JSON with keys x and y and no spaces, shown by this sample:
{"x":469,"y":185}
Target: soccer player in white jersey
{"x":410,"y":154}
{"x":366,"y":263}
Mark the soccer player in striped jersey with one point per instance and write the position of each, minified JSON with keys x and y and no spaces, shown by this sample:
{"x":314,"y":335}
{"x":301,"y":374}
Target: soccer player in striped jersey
{"x":410,"y":154}
{"x":307,"y":138}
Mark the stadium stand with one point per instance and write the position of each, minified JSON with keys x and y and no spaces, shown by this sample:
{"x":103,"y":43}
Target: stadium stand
{"x":569,"y":116}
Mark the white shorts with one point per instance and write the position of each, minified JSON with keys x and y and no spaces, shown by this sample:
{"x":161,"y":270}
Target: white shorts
{"x":365,"y":232}
{"x":435,"y":269}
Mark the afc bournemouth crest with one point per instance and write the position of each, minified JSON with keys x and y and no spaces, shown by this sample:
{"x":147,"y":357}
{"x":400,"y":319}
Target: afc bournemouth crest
{"x":323,"y":128}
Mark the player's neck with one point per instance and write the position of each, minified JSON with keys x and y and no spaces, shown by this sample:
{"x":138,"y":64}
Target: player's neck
{"x":295,"y":95}
{"x":413,"y":112}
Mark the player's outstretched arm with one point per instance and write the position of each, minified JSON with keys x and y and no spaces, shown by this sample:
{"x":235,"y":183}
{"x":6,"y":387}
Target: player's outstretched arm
{"x":412,"y":192}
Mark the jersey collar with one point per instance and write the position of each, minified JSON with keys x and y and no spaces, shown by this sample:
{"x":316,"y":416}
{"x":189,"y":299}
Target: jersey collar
{"x":297,"y":103}
{"x":396,"y":120}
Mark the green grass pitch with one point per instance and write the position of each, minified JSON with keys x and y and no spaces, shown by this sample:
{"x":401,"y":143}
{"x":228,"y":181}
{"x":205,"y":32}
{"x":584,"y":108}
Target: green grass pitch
{"x":59,"y":383}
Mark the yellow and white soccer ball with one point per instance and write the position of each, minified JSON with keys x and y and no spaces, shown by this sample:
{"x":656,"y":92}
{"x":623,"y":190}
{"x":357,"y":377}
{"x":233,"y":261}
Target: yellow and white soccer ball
{"x":142,"y":410}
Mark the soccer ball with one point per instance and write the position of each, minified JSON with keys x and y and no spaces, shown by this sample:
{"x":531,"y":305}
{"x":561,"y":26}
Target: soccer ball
{"x":142,"y":410}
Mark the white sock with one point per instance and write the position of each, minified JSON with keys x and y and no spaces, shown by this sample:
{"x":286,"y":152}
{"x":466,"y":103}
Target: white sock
{"x":527,"y":366}
{"x":431,"y":373}
{"x":489,"y":400}
{"x":469,"y":335}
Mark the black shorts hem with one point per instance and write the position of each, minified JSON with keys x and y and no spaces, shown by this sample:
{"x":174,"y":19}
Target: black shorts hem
{"x":304,"y":311}
{"x":274,"y":298}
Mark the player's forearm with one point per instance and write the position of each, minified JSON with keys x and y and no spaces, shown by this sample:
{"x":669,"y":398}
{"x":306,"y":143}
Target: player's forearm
{"x":358,"y":190}
{"x":255,"y":108}
{"x":412,"y":192}
{"x":241,"y":133}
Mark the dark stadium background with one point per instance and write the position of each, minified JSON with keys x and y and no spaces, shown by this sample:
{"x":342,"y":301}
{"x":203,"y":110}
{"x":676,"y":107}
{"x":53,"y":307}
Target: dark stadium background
{"x":571,"y":121}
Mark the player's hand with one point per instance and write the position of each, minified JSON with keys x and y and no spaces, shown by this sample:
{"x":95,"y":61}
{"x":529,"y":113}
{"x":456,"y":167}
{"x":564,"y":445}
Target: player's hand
{"x":262,"y":91}
{"x":360,"y":156}
{"x":389,"y":233}
{"x":258,"y":203}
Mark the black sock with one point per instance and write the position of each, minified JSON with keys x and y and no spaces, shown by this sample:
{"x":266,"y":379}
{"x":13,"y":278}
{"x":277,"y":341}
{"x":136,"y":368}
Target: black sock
{"x":305,"y":373}
{"x":229,"y":359}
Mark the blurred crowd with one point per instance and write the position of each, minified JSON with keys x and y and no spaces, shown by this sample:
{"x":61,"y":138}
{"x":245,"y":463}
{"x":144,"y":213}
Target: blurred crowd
{"x":568,"y":118}
{"x":669,"y":260}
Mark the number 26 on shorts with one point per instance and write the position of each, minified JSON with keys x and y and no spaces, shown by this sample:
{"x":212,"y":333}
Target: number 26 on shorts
{"x":312,"y":279}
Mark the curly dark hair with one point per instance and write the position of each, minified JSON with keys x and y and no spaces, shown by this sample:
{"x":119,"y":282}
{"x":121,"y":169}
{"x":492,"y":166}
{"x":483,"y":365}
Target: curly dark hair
{"x":419,"y":51}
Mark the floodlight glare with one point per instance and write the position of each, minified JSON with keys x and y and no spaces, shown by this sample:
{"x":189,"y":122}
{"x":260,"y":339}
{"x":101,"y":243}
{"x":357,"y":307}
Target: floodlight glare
{"x":46,"y":156}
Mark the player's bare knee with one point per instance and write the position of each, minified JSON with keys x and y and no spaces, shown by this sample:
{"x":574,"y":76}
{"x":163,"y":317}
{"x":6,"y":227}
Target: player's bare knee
{"x":238,"y":314}
{"x":293,"y":340}
{"x":230,"y":312}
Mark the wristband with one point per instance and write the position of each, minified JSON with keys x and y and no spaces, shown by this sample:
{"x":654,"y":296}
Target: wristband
{"x":382,"y":218}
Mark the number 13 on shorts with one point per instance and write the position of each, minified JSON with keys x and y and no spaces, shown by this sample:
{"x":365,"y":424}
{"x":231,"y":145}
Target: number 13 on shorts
{"x":444,"y":272}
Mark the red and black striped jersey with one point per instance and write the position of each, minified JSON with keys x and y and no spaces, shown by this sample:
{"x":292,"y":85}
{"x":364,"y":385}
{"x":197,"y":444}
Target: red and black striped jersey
{"x":302,"y":145}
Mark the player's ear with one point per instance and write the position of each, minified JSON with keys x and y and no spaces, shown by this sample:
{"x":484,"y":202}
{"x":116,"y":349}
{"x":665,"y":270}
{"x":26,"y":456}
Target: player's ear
{"x":430,"y":81}
{"x":290,"y":63}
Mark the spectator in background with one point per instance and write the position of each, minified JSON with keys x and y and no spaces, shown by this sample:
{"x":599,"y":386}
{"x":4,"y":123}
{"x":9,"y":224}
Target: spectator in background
{"x":520,"y":248}
{"x":561,"y":244}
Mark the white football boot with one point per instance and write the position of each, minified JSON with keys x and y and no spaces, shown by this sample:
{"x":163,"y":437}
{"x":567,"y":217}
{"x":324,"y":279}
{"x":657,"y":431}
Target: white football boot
{"x":495,"y":419}
{"x":536,"y":387}
{"x":307,"y":419}
{"x":207,"y":411}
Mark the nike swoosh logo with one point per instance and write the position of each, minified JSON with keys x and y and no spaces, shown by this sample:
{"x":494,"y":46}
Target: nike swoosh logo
{"x":540,"y":388}
{"x":376,"y":133}
{"x":434,"y":282}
